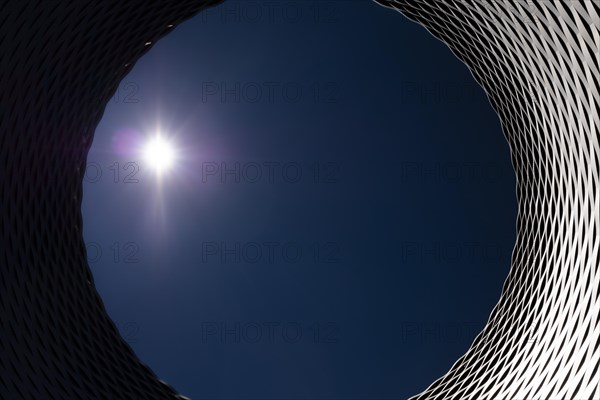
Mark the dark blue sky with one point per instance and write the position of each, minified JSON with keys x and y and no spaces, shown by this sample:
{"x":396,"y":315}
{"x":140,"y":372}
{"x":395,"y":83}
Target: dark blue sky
{"x":340,"y":218}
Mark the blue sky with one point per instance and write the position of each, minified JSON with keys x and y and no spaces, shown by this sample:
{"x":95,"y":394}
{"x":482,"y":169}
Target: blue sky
{"x":339,"y":219}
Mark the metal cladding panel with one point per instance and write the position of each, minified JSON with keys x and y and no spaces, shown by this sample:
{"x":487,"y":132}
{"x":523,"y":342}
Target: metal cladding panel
{"x":61,"y":62}
{"x":538,"y":62}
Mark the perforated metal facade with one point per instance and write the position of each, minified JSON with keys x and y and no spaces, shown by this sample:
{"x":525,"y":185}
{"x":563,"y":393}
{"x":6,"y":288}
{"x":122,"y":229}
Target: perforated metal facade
{"x":538,"y":62}
{"x":60,"y":63}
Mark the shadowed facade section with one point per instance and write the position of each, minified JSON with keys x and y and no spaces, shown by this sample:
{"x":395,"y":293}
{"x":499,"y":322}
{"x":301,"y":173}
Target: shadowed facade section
{"x":60,"y":64}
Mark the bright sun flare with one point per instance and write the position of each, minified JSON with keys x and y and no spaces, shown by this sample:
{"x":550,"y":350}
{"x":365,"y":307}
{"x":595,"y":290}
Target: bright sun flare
{"x":159,"y":154}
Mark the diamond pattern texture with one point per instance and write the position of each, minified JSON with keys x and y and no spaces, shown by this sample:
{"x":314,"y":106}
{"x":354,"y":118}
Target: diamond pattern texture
{"x":61,"y":62}
{"x":538,"y":62}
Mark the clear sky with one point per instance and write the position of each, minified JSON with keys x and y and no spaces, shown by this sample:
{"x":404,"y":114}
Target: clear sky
{"x":339,"y":216}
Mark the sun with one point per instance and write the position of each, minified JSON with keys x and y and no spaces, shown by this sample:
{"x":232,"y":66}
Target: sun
{"x":159,"y":154}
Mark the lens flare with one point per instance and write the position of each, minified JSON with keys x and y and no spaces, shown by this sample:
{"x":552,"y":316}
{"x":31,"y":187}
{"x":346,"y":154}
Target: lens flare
{"x":159,"y":154}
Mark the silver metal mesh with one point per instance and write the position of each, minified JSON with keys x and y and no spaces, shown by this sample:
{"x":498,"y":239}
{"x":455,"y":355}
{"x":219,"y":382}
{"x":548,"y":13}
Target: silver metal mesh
{"x":538,"y":61}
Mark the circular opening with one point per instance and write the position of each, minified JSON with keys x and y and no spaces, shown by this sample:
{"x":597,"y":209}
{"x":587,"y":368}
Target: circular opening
{"x":337,"y":218}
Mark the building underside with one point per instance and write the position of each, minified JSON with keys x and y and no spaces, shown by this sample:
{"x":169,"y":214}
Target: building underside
{"x":538,"y":62}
